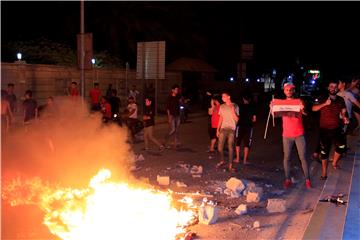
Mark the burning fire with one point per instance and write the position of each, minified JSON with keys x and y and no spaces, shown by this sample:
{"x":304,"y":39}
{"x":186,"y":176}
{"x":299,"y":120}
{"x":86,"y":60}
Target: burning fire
{"x":103,"y":210}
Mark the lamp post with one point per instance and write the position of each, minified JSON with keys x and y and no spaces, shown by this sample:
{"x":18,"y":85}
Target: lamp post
{"x":82,"y":55}
{"x":93,"y":61}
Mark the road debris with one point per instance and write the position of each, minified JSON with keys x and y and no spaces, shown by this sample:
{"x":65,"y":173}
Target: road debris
{"x":276,"y":205}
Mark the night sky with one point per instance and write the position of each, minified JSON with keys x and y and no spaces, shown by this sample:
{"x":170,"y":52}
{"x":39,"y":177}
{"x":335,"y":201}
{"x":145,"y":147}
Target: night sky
{"x":320,"y":34}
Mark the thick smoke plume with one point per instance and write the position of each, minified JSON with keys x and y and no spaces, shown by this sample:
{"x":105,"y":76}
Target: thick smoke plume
{"x":68,"y":147}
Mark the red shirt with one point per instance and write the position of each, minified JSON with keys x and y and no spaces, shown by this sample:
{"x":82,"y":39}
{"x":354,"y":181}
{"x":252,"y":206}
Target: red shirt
{"x":215,"y":117}
{"x":330,"y":115}
{"x":95,"y":95}
{"x":74,"y":92}
{"x":106,"y":110}
{"x":292,"y":126}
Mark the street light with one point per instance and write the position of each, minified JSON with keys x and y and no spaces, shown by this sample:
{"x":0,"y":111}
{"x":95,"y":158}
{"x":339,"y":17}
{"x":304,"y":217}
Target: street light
{"x":19,"y":56}
{"x":93,"y":61}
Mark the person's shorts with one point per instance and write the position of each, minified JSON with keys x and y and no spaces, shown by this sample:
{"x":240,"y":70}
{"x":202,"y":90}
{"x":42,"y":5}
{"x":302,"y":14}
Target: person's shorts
{"x":244,"y":134}
{"x":329,"y":137}
{"x":212,"y":133}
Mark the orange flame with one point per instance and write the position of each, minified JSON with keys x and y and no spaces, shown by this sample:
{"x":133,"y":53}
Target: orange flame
{"x":104,"y":210}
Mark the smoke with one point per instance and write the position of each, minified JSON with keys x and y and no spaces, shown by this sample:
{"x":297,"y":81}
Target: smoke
{"x":68,"y":145}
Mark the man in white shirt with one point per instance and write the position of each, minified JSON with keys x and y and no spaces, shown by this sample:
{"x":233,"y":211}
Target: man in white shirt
{"x":229,"y":115}
{"x":132,"y":116}
{"x":134,"y":92}
{"x":349,"y":99}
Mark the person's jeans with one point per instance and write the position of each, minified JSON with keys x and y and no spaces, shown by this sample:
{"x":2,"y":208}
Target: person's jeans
{"x":148,"y":136}
{"x":288,"y":143}
{"x":174,"y":129}
{"x":229,"y":135}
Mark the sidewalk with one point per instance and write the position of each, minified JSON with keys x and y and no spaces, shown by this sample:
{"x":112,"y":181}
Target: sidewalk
{"x":331,"y":221}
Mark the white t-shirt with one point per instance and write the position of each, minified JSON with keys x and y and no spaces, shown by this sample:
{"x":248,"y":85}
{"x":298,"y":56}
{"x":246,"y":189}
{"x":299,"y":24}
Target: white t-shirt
{"x":130,"y":107}
{"x":227,"y":118}
{"x":349,"y":99}
{"x":134,"y":94}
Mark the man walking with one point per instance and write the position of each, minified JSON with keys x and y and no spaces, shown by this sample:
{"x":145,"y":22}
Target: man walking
{"x":173,"y":113}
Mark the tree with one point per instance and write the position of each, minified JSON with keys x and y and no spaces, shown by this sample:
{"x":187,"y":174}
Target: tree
{"x":44,"y":51}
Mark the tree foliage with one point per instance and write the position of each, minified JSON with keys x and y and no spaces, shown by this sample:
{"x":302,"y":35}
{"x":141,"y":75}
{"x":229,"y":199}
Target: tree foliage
{"x":44,"y":51}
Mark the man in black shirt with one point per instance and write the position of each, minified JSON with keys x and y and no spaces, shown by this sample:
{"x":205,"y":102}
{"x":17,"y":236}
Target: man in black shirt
{"x":244,"y":128}
{"x":115,"y":102}
{"x":173,"y":113}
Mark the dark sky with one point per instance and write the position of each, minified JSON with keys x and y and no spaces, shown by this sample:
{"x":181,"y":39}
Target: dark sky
{"x":323,"y":34}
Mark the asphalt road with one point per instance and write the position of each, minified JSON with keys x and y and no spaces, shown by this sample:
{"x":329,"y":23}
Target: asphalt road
{"x":24,"y":222}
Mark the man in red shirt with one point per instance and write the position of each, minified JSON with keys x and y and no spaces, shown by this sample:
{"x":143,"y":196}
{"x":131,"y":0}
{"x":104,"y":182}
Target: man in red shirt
{"x":331,"y":108}
{"x":73,"y":91}
{"x":95,"y":97}
{"x":293,"y":132}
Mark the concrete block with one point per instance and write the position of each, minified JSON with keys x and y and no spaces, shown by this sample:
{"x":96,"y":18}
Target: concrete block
{"x":235,"y":185}
{"x":256,"y":224}
{"x":163,"y":180}
{"x":254,"y":194}
{"x":275,"y":205}
{"x":241,"y":209}
{"x":253,"y":197}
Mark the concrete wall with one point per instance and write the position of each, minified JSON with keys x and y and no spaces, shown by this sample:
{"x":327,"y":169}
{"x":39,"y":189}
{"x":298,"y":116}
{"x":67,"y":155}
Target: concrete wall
{"x":53,"y":80}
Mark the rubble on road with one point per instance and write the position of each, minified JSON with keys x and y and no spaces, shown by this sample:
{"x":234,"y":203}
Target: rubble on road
{"x":208,"y":212}
{"x":235,"y":185}
{"x":163,"y":180}
{"x":276,"y":205}
{"x":254,"y":194}
{"x":256,"y":224}
{"x":241,"y":210}
{"x":196,"y":169}
{"x":138,"y":158}
{"x":180,"y":184}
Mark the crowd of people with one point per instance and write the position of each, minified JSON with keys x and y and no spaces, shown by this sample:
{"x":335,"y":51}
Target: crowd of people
{"x":229,"y":122}
{"x":339,"y":111}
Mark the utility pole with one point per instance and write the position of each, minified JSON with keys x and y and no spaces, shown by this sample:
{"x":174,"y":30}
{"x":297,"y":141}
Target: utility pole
{"x":82,"y":55}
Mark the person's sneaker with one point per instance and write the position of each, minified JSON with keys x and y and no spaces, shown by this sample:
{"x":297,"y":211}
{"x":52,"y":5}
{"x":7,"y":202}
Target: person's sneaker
{"x":287,"y":183}
{"x":308,"y":184}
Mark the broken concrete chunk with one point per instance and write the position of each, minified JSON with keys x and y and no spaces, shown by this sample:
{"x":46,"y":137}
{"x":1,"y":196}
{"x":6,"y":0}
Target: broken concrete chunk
{"x":235,"y":185}
{"x":254,"y":194}
{"x":275,"y":205}
{"x":180,"y":184}
{"x":256,"y":224}
{"x":253,"y":197}
{"x":231,"y":193}
{"x":241,"y":209}
{"x":163,"y":180}
{"x":139,"y":158}
{"x":196,"y":169}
